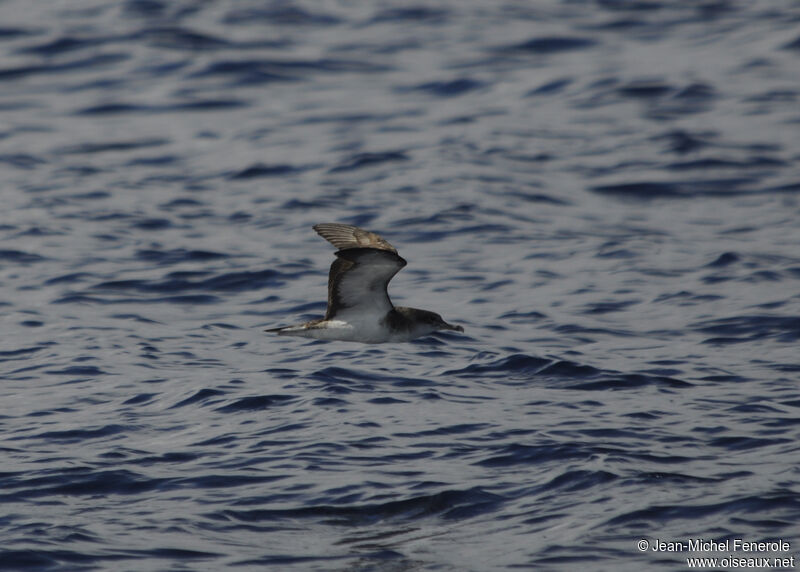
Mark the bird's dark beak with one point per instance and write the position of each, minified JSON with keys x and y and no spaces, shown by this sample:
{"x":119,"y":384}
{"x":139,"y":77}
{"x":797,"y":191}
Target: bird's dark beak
{"x":446,"y":326}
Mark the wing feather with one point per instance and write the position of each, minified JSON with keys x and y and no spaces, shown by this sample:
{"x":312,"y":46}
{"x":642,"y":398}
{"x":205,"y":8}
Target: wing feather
{"x":346,"y":236}
{"x":359,"y":280}
{"x":360,"y":275}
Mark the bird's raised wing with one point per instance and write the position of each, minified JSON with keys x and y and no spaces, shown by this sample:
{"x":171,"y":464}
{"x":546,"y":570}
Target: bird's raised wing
{"x":360,"y":275}
{"x":344,"y":236}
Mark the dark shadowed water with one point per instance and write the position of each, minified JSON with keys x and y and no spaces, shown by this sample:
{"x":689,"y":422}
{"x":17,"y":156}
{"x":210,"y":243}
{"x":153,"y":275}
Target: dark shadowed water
{"x":604,"y":193}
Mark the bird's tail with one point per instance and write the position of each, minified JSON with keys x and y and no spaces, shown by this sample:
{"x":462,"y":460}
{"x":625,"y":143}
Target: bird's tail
{"x":298,"y":330}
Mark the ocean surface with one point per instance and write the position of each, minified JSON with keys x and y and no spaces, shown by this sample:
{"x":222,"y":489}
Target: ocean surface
{"x":604,"y":193}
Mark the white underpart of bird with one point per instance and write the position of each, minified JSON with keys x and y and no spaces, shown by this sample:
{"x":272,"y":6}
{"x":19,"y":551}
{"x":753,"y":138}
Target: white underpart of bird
{"x":359,"y":308}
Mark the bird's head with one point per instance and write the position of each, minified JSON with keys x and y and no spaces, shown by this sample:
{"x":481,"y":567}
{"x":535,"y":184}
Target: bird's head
{"x":435,"y":322}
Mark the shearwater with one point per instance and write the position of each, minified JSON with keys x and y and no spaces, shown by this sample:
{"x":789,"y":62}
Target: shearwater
{"x":359,"y":308}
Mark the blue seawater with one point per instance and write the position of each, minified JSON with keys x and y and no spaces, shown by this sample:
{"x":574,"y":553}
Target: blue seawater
{"x":604,"y":193}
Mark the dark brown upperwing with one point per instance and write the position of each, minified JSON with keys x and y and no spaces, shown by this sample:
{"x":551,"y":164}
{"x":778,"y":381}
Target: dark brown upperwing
{"x":346,"y":236}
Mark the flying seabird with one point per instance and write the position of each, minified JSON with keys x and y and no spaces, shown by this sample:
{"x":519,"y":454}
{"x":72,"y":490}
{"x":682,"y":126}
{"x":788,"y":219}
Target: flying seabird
{"x":359,"y":308}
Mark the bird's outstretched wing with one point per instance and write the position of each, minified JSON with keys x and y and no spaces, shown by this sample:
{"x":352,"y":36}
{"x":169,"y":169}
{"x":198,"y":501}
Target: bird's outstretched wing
{"x":345,"y":236}
{"x":360,"y":275}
